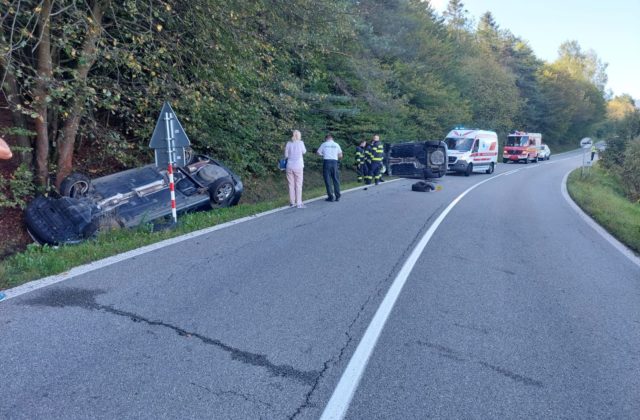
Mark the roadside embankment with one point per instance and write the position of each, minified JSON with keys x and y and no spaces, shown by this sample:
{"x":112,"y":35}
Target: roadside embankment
{"x":601,"y":195}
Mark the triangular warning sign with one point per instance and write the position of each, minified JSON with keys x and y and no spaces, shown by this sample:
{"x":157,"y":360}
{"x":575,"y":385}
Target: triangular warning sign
{"x":159,"y":137}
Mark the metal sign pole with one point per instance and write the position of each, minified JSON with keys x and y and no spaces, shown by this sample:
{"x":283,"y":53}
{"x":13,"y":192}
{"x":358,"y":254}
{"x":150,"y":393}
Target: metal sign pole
{"x":168,"y":119}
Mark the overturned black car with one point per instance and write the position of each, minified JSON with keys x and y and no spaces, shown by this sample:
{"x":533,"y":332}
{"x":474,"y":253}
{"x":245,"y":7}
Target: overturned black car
{"x":421,"y":159}
{"x":128,"y":199}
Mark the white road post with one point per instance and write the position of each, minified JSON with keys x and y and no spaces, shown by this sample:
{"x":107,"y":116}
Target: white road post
{"x":168,"y":119}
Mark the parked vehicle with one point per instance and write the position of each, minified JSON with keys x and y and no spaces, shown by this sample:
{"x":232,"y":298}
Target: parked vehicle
{"x":128,"y":199}
{"x":522,"y":147}
{"x":421,"y":159}
{"x":472,"y":151}
{"x":544,"y":153}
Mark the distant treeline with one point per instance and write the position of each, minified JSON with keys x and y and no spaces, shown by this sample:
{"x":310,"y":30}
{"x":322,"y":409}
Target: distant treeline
{"x":84,"y":81}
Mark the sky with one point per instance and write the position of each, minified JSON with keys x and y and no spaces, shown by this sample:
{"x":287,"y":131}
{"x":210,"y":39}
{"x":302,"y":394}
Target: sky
{"x":610,"y":28}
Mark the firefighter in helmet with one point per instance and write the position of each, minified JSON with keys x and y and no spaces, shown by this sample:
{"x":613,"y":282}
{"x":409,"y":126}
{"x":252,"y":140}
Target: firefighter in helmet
{"x":376,"y":155}
{"x":362,"y":164}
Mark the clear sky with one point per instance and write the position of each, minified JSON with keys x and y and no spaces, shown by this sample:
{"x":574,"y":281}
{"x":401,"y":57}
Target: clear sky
{"x":611,"y":28}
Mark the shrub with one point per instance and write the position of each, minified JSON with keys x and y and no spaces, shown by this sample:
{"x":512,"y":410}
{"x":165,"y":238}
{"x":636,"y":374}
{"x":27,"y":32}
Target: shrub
{"x":613,"y":156}
{"x":16,"y":191}
{"x":631,"y":170}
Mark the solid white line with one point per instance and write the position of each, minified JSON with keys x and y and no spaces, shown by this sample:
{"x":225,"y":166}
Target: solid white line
{"x":341,"y":398}
{"x":343,"y":394}
{"x":96,"y":265}
{"x":588,"y":220}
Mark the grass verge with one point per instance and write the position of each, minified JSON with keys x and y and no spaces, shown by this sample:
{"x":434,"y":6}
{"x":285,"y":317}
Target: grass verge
{"x":601,"y":196}
{"x":41,"y":261}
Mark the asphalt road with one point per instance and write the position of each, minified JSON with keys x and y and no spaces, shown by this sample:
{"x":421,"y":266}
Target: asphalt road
{"x":516,"y":308}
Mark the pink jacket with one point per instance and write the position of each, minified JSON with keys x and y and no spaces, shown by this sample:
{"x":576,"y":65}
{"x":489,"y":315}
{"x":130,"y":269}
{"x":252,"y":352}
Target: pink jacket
{"x":293,"y":152}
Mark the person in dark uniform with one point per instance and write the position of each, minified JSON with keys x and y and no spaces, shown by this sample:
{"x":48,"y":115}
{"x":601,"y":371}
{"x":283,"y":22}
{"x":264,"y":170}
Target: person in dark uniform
{"x":368,"y":154}
{"x":377,"y":153}
{"x":362,"y":166}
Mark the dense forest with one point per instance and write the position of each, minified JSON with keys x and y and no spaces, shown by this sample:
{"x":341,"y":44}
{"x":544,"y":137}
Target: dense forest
{"x":84,"y":81}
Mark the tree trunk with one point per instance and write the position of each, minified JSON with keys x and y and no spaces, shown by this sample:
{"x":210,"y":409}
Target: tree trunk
{"x":45,"y":73}
{"x":87,"y":58}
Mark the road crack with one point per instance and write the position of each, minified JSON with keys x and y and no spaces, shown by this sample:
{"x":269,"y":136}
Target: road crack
{"x":380,"y":287}
{"x":86,"y":299}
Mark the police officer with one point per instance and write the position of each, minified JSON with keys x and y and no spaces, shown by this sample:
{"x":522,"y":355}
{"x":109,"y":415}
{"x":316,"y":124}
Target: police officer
{"x":331,"y":153}
{"x":376,"y":155}
{"x":362,"y":165}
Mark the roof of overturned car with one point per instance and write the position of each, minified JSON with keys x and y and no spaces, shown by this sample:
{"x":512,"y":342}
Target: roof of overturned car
{"x":132,"y":197}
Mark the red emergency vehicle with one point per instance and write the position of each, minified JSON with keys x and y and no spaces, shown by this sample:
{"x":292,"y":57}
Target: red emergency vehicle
{"x":522,"y":147}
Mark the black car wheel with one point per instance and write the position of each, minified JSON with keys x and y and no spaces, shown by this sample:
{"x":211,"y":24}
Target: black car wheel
{"x":221,"y":192}
{"x":469,"y":170}
{"x":76,"y":185}
{"x":491,"y":167}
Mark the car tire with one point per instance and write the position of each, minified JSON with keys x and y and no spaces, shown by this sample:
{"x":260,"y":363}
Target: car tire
{"x":491,"y":168}
{"x":526,"y":161}
{"x":221,"y":193}
{"x":505,"y":160}
{"x":76,"y":185}
{"x":469,"y":169}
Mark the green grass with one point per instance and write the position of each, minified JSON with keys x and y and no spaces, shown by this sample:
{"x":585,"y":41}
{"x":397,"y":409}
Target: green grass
{"x":600,"y":194}
{"x":41,"y":261}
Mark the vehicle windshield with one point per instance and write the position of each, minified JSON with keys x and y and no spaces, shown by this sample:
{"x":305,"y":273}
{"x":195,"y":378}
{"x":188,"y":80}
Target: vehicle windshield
{"x":459,"y":143}
{"x":517,"y":140}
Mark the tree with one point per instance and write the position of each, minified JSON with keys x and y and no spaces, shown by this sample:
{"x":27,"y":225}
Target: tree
{"x":582,"y":65}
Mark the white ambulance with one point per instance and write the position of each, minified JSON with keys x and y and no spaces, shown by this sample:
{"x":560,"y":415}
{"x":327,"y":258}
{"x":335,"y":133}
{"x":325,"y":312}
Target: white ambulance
{"x":472,"y":150}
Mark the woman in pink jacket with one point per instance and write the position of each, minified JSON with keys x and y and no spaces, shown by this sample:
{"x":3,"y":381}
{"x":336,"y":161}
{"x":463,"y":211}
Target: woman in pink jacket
{"x":293,"y":151}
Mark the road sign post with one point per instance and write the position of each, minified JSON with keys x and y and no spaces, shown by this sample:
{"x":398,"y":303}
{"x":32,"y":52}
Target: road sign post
{"x":168,"y":119}
{"x":585,"y":144}
{"x":170,"y":142}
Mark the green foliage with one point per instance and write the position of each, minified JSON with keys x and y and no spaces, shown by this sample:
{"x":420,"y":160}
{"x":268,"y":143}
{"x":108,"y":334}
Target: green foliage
{"x":601,"y":195}
{"x":631,"y":170}
{"x":18,"y":189}
{"x":241,"y":75}
{"x":613,"y":157}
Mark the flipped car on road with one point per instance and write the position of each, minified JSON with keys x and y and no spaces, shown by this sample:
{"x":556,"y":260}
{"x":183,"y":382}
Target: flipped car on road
{"x":128,"y":199}
{"x":422,"y":160}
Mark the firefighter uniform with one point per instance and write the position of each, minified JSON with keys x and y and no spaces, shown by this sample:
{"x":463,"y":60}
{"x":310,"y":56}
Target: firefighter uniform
{"x":377,"y":153}
{"x":368,"y":154}
{"x":362,"y":167}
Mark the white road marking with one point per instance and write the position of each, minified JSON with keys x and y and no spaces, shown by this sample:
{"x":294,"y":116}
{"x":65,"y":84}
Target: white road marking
{"x":343,"y":394}
{"x":96,"y":265}
{"x":341,"y":398}
{"x":588,"y":220}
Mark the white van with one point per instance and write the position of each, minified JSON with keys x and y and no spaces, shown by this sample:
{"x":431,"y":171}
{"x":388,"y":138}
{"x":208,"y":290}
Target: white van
{"x":472,"y":150}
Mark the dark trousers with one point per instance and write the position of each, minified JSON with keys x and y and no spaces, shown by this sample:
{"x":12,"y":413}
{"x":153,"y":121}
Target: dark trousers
{"x":362,"y":170}
{"x":331,"y":176}
{"x":374,"y":171}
